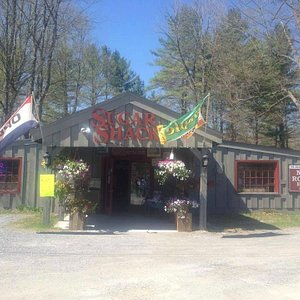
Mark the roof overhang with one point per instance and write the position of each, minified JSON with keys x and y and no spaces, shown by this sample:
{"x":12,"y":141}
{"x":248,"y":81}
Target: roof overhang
{"x":111,"y":128}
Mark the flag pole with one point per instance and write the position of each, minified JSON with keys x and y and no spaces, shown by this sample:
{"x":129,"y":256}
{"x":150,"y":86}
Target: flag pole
{"x":37,"y":116}
{"x":203,"y":178}
{"x":206,"y":118}
{"x":48,"y":200}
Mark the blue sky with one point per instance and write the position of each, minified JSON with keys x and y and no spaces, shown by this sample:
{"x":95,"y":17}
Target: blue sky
{"x":131,"y":27}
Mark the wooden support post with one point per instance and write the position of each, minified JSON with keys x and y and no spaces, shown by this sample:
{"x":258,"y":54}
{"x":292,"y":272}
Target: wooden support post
{"x":46,"y":211}
{"x":203,"y":188}
{"x":203,"y":199}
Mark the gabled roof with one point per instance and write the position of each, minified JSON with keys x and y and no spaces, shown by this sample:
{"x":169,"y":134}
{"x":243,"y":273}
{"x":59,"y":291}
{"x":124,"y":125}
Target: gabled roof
{"x":66,"y":131}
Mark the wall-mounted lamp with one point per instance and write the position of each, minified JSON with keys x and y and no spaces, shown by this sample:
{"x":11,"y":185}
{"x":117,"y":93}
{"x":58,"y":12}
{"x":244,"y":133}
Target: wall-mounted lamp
{"x":205,"y":161}
{"x":85,"y":130}
{"x":47,"y":159}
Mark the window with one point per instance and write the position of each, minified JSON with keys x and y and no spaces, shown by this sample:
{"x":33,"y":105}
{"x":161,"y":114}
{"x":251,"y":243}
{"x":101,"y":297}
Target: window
{"x":10,"y":175}
{"x":257,"y":176}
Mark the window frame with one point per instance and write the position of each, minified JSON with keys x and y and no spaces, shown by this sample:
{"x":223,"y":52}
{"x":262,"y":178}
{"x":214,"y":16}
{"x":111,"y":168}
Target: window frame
{"x":19,"y":174}
{"x":251,"y":162}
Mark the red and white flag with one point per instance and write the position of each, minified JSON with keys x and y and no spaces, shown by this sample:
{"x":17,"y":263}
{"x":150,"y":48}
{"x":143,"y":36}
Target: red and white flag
{"x":18,"y":124}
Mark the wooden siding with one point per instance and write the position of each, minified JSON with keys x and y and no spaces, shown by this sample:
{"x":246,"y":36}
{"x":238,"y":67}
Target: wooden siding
{"x":73,"y":137}
{"x":222,"y":196}
{"x":31,"y":154}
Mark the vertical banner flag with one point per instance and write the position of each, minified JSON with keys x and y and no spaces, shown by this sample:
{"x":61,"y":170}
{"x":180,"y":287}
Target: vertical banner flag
{"x":182,"y":127}
{"x":18,"y":124}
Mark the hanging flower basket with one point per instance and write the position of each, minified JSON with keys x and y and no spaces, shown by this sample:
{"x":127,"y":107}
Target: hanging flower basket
{"x":175,"y":169}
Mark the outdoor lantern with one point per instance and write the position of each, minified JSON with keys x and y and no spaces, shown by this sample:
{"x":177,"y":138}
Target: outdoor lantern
{"x":86,"y":130}
{"x":204,"y":161}
{"x":47,"y":159}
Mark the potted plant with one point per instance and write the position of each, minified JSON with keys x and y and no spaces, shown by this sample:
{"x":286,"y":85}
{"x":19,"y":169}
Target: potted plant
{"x":72,"y":181}
{"x":182,"y":208}
{"x":171,"y":174}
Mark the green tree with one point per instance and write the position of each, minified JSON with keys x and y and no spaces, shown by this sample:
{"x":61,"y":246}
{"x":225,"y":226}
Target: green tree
{"x":265,"y":16}
{"x":14,"y":54}
{"x":184,"y":57}
{"x":69,"y":71}
{"x":228,"y":74}
{"x":246,"y":74}
{"x":279,"y":122}
{"x":122,"y":78}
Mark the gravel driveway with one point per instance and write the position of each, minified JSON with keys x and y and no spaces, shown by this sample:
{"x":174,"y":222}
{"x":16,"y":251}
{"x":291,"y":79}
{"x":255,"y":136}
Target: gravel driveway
{"x":140,"y":265}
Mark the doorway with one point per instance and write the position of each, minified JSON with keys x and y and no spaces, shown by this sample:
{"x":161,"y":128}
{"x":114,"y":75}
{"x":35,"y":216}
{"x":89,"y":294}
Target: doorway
{"x":121,"y":186}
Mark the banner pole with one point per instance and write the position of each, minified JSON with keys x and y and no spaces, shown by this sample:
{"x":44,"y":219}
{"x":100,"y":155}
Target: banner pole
{"x":47,"y":201}
{"x":37,"y":116}
{"x":206,"y":118}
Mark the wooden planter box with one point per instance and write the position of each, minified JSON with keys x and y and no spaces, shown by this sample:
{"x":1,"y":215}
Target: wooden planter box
{"x":76,"y":221}
{"x":184,"y":223}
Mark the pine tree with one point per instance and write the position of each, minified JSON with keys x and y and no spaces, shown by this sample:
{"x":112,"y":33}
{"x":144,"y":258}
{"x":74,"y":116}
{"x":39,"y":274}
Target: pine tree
{"x":184,"y":57}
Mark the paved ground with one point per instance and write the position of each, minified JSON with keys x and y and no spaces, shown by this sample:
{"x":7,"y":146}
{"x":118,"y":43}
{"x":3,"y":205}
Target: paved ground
{"x":141,"y":265}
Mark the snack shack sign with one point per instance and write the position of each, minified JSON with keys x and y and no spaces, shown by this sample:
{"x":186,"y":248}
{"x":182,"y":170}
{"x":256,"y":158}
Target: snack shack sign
{"x":294,"y":178}
{"x":112,"y":127}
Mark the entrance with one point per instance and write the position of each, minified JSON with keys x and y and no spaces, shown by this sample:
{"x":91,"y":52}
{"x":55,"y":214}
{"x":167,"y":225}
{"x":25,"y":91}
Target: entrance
{"x":121,"y":186}
{"x":126,"y":182}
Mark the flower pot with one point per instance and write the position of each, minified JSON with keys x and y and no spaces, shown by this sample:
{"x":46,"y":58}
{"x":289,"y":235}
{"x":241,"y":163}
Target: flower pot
{"x":184,"y":222}
{"x":76,"y":221}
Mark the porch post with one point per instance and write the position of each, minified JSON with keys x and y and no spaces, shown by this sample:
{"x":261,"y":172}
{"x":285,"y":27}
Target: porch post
{"x":203,"y":187}
{"x":203,"y":196}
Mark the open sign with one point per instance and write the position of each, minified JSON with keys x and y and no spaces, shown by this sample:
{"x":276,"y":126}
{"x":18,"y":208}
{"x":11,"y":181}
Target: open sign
{"x":294,"y":178}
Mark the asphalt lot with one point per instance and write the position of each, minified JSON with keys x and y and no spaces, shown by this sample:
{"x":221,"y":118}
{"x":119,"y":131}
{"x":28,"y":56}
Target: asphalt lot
{"x":139,"y":265}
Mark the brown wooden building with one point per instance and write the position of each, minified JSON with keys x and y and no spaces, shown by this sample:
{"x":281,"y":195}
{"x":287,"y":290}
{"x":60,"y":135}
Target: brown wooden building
{"x":118,"y":139}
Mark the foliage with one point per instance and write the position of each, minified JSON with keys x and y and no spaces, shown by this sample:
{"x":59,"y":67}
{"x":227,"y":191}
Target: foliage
{"x":117,"y":74}
{"x":171,"y":168}
{"x":21,"y":209}
{"x":249,"y":75}
{"x":280,"y":219}
{"x":72,"y":181}
{"x":14,"y":53}
{"x":184,"y":57}
{"x":26,"y":208}
{"x":85,"y":74}
{"x":180,"y":206}
{"x":246,"y":57}
{"x":284,"y":15}
{"x":255,"y":220}
{"x":33,"y":221}
{"x":45,"y":48}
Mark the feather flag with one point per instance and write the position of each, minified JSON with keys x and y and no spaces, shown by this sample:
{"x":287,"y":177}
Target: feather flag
{"x":184,"y":127}
{"x":18,"y":124}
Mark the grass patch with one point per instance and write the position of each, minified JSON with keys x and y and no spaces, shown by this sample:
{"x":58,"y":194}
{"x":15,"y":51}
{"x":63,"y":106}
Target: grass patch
{"x":21,"y":209}
{"x":275,"y":218}
{"x":34,"y":221}
{"x":268,"y":219}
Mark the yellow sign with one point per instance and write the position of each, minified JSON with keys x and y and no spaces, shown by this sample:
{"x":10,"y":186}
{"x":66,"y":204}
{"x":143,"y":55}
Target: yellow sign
{"x":47,"y":185}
